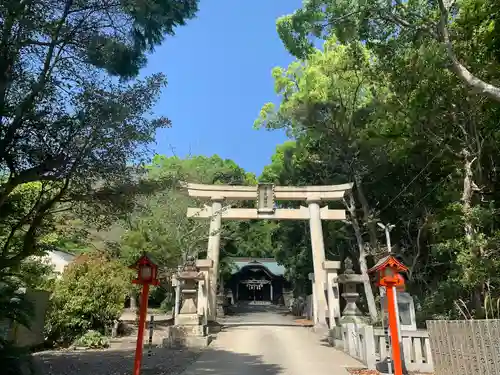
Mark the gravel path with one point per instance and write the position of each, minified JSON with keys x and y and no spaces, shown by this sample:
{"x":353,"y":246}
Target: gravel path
{"x":113,"y":362}
{"x":274,"y":347}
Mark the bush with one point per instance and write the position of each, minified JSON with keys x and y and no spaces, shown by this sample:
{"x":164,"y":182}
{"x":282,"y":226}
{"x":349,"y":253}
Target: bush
{"x":15,"y":360}
{"x":16,"y":309}
{"x":167,"y":305}
{"x":89,"y":296}
{"x":92,"y":339}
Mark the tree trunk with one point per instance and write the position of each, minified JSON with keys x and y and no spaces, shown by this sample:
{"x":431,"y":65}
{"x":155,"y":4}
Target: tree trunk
{"x":469,"y":230}
{"x":370,"y":299}
{"x":367,"y":217}
{"x":467,"y":196}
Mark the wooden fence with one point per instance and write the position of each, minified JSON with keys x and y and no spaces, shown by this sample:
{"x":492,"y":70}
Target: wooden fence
{"x":463,"y":347}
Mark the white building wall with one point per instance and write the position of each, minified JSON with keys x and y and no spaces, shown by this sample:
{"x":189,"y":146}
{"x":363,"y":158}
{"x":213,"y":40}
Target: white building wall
{"x":59,"y":259}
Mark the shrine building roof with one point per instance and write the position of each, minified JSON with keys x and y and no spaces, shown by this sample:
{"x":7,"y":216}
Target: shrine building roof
{"x":270,"y":263}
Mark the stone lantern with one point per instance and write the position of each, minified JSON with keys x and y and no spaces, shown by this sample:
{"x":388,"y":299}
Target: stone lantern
{"x":189,"y":277}
{"x":188,"y":330}
{"x":350,"y":279}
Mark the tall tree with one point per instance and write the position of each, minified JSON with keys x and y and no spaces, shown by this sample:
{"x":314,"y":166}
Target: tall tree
{"x":421,"y":142}
{"x":453,"y":26}
{"x":65,"y":121}
{"x":328,"y":101}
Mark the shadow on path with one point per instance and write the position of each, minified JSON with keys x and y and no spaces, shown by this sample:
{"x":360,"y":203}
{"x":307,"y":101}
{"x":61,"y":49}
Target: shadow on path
{"x":163,"y":362}
{"x":222,"y":362}
{"x":244,"y":309}
{"x":246,"y":315}
{"x":250,"y":324}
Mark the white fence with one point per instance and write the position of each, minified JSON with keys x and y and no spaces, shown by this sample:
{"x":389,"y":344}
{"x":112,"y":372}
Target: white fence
{"x":416,"y":349}
{"x":368,"y":345}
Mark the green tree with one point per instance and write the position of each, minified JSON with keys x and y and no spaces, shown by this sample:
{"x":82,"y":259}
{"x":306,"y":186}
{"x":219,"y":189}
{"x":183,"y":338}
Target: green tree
{"x":89,"y":296}
{"x":65,"y":122}
{"x":96,"y":184}
{"x":329,"y":101}
{"x":423,"y":146}
{"x":464,"y":33}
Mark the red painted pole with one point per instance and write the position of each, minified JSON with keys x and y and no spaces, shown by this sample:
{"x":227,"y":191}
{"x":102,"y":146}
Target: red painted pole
{"x":142,"y":324}
{"x":393,"y":326}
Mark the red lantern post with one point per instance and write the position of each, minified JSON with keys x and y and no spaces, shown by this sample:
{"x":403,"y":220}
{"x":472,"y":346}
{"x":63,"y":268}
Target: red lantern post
{"x":388,"y":270}
{"x":147,"y":272}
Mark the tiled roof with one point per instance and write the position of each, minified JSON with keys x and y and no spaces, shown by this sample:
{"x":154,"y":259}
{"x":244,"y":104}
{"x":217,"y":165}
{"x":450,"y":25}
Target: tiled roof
{"x":269,"y":263}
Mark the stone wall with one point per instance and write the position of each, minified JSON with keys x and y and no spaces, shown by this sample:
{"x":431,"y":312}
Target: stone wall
{"x":462,"y":347}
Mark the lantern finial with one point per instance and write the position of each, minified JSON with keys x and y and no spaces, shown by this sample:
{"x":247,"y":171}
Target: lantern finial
{"x":348,"y":266}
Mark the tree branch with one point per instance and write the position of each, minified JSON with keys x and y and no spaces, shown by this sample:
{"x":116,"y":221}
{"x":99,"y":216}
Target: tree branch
{"x":477,"y":85}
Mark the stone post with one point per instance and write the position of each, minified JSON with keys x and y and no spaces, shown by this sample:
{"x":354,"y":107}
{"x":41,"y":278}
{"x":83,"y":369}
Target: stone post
{"x":204,"y":265}
{"x":213,"y":254}
{"x":368,"y":347}
{"x":350,"y":339}
{"x":331,"y":268}
{"x":133,"y":301}
{"x":177,"y":284}
{"x":318,"y":253}
{"x":314,"y":300}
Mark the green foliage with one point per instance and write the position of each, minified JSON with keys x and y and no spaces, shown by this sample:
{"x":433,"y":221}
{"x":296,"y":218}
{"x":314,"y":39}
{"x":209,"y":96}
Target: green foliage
{"x":15,"y":360}
{"x":201,"y":169}
{"x":92,"y":340}
{"x":386,"y":27}
{"x":57,"y":85}
{"x":159,"y":224}
{"x":68,"y":132}
{"x":14,"y":307}
{"x":381,"y":106}
{"x":161,"y":228}
{"x":491,"y":307}
{"x":89,"y":296}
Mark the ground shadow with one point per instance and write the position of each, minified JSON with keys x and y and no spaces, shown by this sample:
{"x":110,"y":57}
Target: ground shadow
{"x":163,"y":361}
{"x":257,"y":324}
{"x":245,"y":315}
{"x":222,"y":362}
{"x":244,"y":309}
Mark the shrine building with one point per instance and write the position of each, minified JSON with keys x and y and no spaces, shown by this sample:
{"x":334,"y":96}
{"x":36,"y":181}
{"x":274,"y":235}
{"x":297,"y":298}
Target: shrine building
{"x":257,"y":281}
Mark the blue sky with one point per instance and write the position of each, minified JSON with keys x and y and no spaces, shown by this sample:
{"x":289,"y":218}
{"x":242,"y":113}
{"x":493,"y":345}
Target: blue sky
{"x":219,"y":73}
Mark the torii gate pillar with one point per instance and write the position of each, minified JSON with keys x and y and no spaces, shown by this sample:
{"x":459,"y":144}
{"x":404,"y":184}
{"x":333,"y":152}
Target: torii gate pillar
{"x":266,"y":195}
{"x":213,"y":253}
{"x":318,"y":255}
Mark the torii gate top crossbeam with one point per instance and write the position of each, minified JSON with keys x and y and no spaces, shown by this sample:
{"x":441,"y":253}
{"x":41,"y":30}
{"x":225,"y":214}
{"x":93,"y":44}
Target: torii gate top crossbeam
{"x":299,"y":193}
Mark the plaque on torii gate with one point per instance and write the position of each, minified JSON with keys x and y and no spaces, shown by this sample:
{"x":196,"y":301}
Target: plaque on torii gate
{"x":265,"y":199}
{"x":266,"y":196}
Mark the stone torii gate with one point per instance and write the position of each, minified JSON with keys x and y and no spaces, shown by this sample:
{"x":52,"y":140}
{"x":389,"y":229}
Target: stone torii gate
{"x":266,"y":195}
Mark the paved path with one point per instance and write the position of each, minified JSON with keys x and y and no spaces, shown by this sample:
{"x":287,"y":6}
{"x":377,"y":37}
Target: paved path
{"x":275,"y":347}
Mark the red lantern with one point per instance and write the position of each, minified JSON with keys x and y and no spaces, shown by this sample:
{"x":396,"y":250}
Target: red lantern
{"x":147,"y":274}
{"x":147,"y":271}
{"x":388,"y":271}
